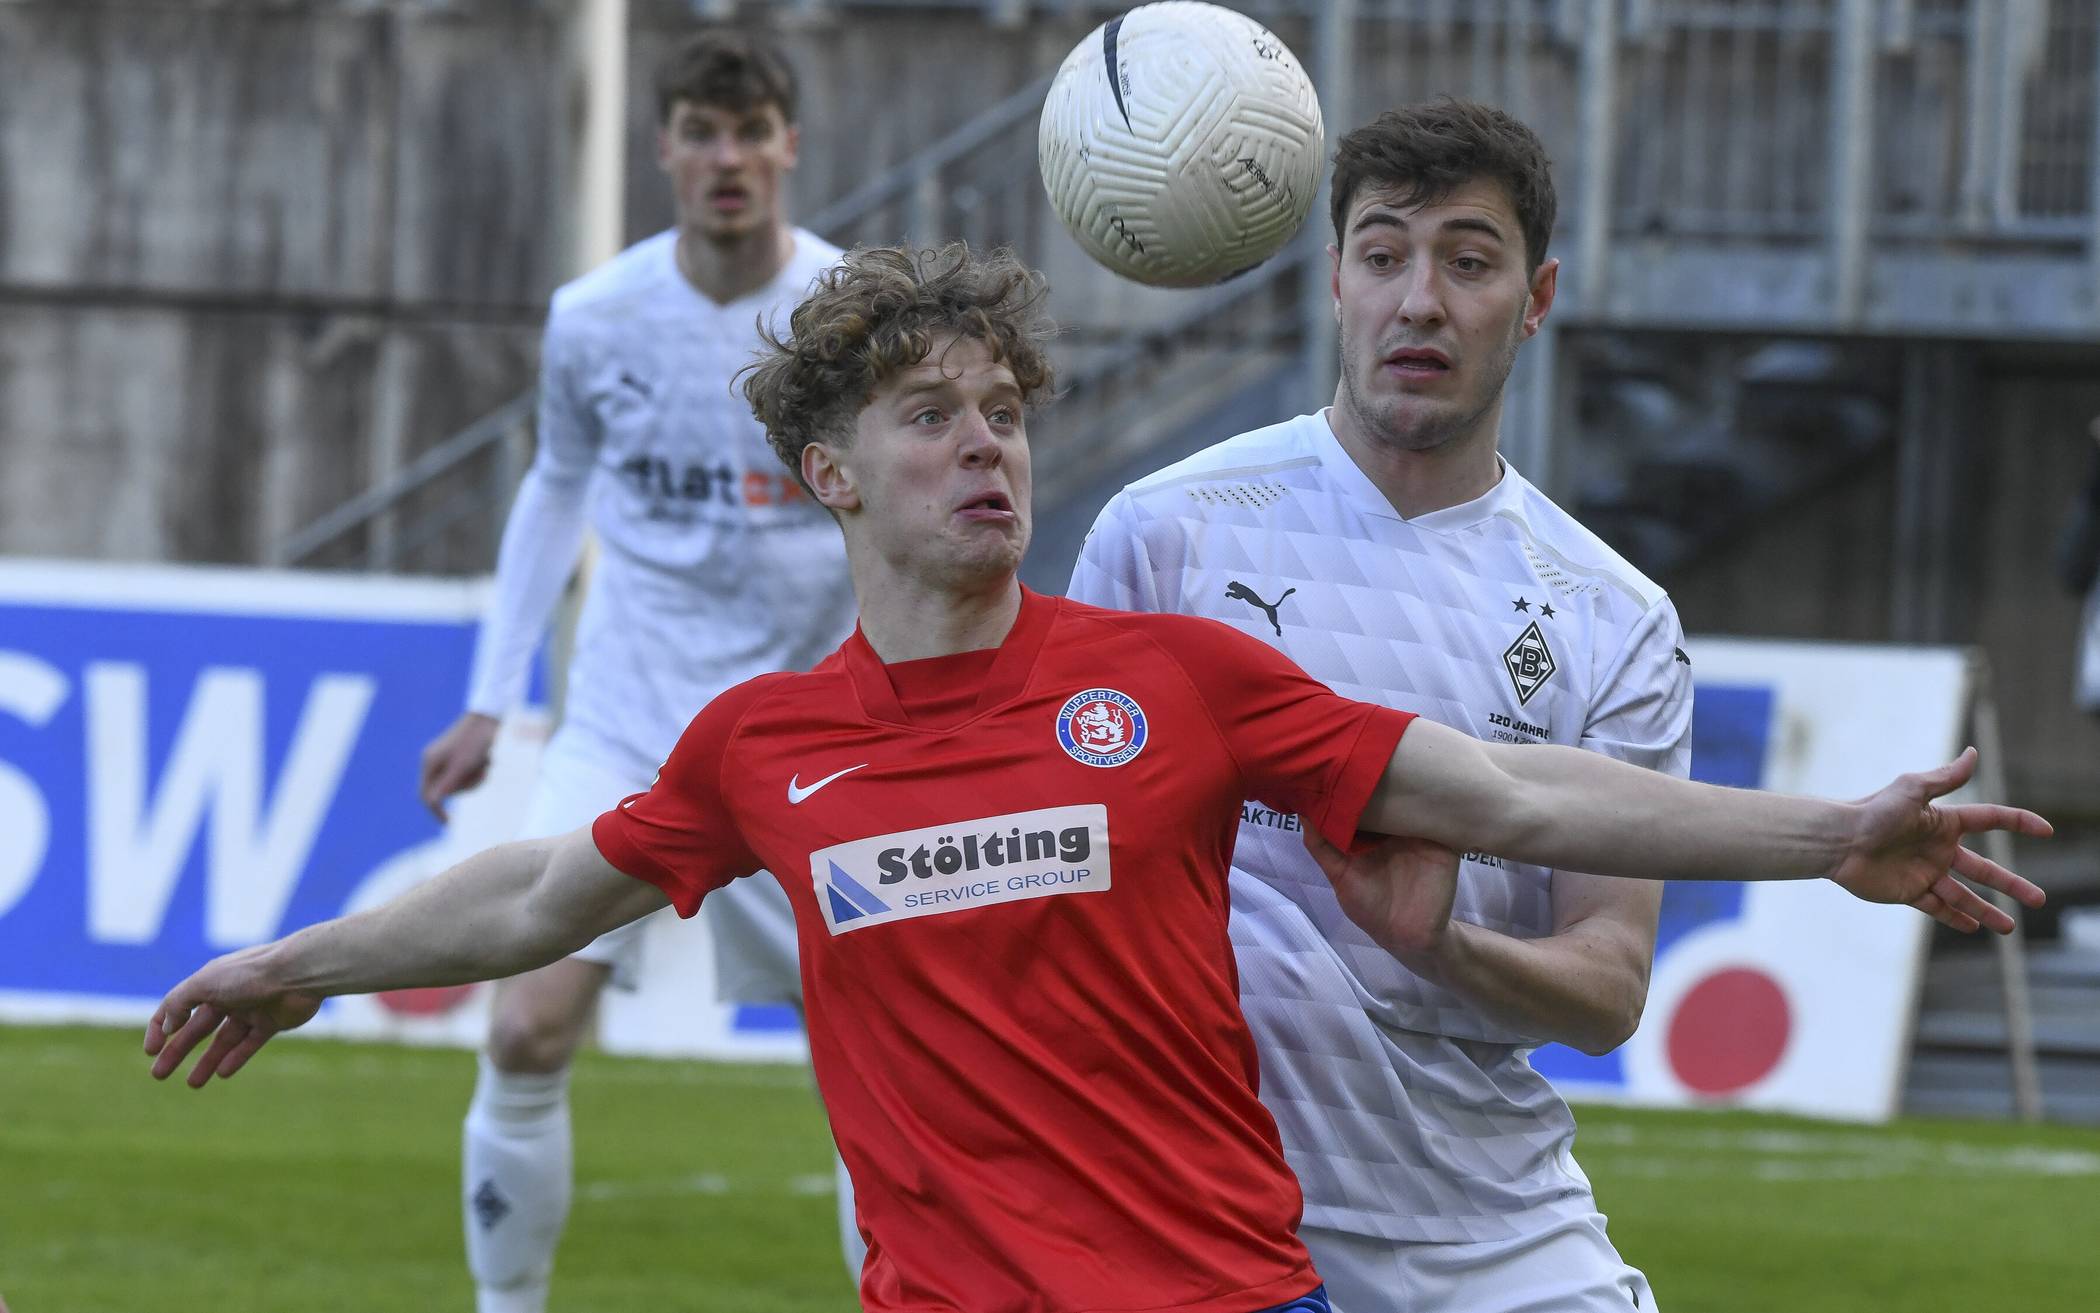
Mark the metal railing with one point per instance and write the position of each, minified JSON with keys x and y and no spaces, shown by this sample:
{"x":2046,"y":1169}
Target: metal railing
{"x":1811,"y":142}
{"x":917,"y":199}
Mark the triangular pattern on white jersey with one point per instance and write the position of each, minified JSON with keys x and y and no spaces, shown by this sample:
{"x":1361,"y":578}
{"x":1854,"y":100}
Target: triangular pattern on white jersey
{"x":714,"y":566}
{"x":1406,"y":1112}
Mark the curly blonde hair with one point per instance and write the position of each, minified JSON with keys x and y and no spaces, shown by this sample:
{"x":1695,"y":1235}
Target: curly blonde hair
{"x":877,"y":313}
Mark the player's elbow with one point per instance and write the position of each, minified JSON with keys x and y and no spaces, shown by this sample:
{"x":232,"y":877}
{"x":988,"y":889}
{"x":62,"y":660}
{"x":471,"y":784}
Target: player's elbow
{"x":1613,"y":1025}
{"x":1510,"y":821}
{"x":1477,"y":803}
{"x":1616,"y":1013}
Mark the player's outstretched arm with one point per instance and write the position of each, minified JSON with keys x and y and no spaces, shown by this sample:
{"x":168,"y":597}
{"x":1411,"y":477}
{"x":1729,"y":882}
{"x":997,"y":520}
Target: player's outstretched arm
{"x":512,"y":908}
{"x":1575,"y":810}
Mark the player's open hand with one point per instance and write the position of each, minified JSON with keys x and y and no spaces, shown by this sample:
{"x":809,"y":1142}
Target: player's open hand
{"x":1398,"y":889}
{"x":456,"y":760}
{"x":232,"y":1001}
{"x":1908,"y":850}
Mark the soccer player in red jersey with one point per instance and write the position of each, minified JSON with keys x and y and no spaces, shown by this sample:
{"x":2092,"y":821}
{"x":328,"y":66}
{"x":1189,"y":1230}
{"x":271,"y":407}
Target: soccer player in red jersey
{"x":1004,"y":822}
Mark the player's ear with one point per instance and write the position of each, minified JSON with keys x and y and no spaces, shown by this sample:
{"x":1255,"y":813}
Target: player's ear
{"x":831,"y":482}
{"x":794,"y":144}
{"x":1544,"y":284}
{"x":1334,"y":276}
{"x":663,"y":136}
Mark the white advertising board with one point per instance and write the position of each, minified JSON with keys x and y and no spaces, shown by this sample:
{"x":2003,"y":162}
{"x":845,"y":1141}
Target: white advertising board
{"x":1790,"y":996}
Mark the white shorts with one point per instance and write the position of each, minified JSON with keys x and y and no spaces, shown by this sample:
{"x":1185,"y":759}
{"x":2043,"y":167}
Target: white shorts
{"x":1569,"y":1269}
{"x":750,"y":922}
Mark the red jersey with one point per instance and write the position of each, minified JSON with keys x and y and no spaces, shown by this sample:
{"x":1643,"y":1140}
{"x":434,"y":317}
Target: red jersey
{"x":1023,"y":1008}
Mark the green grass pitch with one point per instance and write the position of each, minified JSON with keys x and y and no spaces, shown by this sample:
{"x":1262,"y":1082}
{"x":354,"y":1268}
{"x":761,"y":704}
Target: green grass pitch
{"x":325,"y":1178}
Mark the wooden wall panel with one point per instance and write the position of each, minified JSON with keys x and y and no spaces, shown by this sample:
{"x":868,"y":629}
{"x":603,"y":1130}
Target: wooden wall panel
{"x":195,"y":149}
{"x":166,"y":434}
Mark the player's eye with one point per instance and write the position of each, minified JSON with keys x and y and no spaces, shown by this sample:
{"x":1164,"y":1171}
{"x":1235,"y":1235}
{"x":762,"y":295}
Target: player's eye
{"x":926,"y":417}
{"x":1470,"y":264}
{"x":1005,"y":415}
{"x":757,"y":130}
{"x":1380,"y":260}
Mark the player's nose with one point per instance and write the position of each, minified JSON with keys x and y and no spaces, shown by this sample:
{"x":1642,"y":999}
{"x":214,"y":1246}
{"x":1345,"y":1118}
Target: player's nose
{"x":1422,"y":302}
{"x":976,"y":444}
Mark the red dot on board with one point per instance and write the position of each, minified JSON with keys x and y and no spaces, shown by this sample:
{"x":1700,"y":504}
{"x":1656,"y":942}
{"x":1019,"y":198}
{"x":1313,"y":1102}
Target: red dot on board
{"x":1729,"y":1032}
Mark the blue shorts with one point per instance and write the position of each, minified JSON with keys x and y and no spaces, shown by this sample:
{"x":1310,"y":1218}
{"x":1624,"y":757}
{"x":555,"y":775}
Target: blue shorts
{"x":1312,"y":1301}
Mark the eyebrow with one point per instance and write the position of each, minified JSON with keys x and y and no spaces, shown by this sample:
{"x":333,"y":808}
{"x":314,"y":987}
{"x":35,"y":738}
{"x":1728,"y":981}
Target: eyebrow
{"x":931,"y":387}
{"x":1457,"y":223}
{"x":924,"y":388}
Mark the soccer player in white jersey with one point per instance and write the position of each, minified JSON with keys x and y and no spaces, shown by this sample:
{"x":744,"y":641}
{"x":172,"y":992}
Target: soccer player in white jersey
{"x":1385,"y":546}
{"x":715,"y":566}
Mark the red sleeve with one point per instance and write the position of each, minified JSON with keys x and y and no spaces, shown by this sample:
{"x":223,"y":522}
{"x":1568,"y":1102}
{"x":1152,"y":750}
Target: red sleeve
{"x":1300,"y":746}
{"x":680,"y":835}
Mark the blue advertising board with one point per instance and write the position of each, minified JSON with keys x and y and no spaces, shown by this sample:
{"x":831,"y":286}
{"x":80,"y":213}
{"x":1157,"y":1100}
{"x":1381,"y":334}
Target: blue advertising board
{"x":196,"y":760}
{"x":193,"y":761}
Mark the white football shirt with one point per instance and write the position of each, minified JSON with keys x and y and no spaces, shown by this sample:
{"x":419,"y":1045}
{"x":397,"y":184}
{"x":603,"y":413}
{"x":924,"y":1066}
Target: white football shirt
{"x":715,"y":565}
{"x":1405,"y":1112}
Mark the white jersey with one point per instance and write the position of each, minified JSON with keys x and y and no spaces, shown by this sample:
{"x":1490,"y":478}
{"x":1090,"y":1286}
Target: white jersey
{"x":1405,"y":1112}
{"x":715,"y":565}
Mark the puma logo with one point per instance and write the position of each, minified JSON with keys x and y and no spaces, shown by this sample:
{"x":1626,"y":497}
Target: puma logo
{"x":1240,"y":592}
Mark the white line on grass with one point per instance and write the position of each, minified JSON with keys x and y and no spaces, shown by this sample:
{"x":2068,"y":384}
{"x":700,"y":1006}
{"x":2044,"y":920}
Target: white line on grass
{"x":1809,"y":1156}
{"x":707,"y":1183}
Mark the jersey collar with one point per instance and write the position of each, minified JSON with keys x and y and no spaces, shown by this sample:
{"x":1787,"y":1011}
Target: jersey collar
{"x":770,"y":291}
{"x":1350,"y":478}
{"x":1008,"y":675}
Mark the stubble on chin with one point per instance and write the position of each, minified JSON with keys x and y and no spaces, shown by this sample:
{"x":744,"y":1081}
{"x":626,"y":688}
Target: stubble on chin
{"x":1402,"y":423}
{"x":1387,"y":421}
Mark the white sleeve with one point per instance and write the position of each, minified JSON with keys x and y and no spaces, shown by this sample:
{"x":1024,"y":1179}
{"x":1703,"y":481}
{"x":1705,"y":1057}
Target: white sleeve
{"x":1642,"y":711}
{"x":543,"y":535}
{"x":1115,"y":567}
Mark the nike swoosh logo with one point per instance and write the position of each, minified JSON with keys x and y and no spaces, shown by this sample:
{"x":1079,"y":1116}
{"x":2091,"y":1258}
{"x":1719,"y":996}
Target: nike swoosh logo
{"x":796,"y":792}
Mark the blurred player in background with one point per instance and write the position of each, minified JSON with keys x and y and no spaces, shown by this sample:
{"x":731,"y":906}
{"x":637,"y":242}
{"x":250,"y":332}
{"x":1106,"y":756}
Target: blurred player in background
{"x":715,"y":566}
{"x":1012,"y":905}
{"x":1386,"y":547}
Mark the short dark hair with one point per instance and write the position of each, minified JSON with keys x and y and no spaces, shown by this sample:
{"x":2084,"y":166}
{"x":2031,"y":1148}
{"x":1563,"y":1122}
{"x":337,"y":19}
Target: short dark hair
{"x":877,"y":313}
{"x":1429,"y":150}
{"x":727,"y":68}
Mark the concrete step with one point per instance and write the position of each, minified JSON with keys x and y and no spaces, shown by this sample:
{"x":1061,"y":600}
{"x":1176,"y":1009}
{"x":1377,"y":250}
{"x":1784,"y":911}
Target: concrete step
{"x":2069,"y":1034}
{"x":1943,"y":1083}
{"x":1959,"y":1066}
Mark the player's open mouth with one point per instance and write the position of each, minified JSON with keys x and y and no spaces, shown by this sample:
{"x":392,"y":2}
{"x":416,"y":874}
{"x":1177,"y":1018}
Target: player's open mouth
{"x":1418,"y":362}
{"x":991,"y":506}
{"x":728,"y":199}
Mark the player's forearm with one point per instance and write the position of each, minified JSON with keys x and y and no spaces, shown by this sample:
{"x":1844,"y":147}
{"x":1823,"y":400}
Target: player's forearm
{"x":475,"y":921}
{"x":1586,"y":812}
{"x":1580,"y":811}
{"x":1576,"y":988}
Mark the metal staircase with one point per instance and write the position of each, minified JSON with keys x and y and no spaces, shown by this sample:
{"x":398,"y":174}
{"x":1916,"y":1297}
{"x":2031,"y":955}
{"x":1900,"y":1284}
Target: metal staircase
{"x":1959,"y":1062}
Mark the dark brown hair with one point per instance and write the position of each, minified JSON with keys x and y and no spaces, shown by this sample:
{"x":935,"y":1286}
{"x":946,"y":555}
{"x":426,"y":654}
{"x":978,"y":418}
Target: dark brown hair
{"x":728,"y":69}
{"x":1429,"y":150}
{"x":875,"y":314}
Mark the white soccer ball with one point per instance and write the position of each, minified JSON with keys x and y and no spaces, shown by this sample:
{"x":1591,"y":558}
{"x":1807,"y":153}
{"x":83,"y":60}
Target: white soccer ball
{"x":1181,"y":144}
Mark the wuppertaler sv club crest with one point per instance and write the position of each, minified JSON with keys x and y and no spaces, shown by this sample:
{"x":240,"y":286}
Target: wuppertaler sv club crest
{"x":1101,"y":727}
